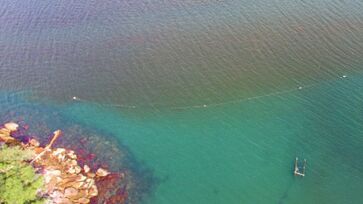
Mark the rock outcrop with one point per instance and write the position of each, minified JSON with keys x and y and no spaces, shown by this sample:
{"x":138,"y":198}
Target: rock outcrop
{"x":65,"y":180}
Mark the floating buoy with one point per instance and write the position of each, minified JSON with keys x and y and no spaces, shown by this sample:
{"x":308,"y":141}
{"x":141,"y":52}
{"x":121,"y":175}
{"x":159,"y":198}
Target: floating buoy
{"x":204,"y":105}
{"x":300,"y":87}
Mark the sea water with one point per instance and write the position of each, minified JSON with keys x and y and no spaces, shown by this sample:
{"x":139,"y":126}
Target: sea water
{"x":244,"y":152}
{"x":214,"y":98}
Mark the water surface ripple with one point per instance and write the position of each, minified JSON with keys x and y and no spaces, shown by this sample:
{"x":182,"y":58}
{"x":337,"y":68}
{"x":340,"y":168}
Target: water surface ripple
{"x":215,"y":98}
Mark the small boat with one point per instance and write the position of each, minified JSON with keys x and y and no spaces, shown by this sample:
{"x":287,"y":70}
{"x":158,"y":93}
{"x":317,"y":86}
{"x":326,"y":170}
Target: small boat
{"x":297,"y":170}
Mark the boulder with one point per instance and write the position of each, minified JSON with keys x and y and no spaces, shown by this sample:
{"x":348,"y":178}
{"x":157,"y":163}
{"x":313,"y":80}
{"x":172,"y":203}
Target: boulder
{"x":83,"y":200}
{"x":34,"y":143}
{"x":86,"y":168}
{"x":93,"y":191}
{"x":70,"y":192}
{"x":11,"y":126}
{"x":102,"y":172}
{"x":58,"y":151}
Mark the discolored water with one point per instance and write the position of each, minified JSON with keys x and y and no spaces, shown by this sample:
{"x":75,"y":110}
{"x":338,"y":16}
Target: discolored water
{"x":216,"y":97}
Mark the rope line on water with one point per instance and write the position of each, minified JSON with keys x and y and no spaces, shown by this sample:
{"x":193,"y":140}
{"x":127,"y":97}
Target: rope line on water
{"x":75,"y":98}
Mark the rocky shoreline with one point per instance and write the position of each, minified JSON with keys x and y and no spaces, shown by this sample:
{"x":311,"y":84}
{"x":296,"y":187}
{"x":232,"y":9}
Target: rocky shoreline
{"x":65,"y":179}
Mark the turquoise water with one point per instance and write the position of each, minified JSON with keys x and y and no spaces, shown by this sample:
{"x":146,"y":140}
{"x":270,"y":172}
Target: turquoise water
{"x":203,"y":97}
{"x":244,"y":152}
{"x":234,"y":153}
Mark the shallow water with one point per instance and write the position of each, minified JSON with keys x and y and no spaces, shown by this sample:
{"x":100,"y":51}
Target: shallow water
{"x":203,"y":94}
{"x":244,"y":152}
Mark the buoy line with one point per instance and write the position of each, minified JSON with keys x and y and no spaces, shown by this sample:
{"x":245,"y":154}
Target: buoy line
{"x":298,"y":88}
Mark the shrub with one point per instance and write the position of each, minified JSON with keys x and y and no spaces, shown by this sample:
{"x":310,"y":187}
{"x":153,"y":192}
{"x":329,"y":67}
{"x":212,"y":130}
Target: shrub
{"x":19,"y":182}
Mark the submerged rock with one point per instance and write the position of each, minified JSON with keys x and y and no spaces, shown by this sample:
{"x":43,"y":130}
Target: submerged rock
{"x":65,"y":181}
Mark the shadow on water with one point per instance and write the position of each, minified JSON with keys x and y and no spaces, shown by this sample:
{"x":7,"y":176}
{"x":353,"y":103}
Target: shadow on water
{"x":285,"y":195}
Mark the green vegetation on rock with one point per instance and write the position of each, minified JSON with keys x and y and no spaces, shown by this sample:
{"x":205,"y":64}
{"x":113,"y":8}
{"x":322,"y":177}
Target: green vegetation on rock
{"x":19,"y":182}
